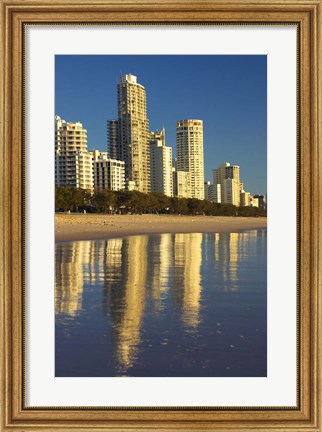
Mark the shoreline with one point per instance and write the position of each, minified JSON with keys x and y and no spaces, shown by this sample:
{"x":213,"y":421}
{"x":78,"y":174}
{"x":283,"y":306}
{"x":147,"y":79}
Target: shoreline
{"x":82,"y":227}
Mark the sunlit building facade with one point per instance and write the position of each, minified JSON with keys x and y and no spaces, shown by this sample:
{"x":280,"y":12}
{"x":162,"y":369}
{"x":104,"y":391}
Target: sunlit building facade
{"x":228,"y":177}
{"x":73,"y":164}
{"x":182,"y":184}
{"x":244,"y":198}
{"x":128,"y":136}
{"x":190,"y":154}
{"x":229,"y":192}
{"x":160,"y":164}
{"x":254,"y":202}
{"x":216,"y":194}
{"x":108,"y":173}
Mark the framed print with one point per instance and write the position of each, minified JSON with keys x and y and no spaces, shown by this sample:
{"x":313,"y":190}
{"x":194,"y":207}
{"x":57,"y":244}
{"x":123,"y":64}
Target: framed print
{"x":160,"y":215}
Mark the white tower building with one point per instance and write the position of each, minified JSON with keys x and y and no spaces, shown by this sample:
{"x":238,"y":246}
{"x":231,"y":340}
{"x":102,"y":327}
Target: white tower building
{"x":73,"y":165}
{"x":190,"y":155}
{"x":160,"y":164}
{"x":128,"y":137}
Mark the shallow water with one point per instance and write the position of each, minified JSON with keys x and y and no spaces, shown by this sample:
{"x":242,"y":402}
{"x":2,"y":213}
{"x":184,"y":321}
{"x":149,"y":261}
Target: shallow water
{"x":169,"y":305}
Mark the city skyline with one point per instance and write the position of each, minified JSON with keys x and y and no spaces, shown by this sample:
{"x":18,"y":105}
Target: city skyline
{"x":245,"y":119}
{"x":182,"y":177}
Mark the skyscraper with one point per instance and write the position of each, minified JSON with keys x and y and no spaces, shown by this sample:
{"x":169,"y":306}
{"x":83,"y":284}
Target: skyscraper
{"x":128,"y":137}
{"x":160,"y":164}
{"x":190,"y":154}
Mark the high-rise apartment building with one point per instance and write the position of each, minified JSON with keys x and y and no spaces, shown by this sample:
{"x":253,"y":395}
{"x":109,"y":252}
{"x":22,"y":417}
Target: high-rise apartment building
{"x":183,"y":184}
{"x":128,"y":136}
{"x":190,"y":157}
{"x":212,"y":192}
{"x":261,"y":200}
{"x":69,"y":136}
{"x":216,"y":193}
{"x":97,"y":154}
{"x":181,"y":181}
{"x":73,"y":165}
{"x":160,"y":164}
{"x":219,"y":174}
{"x":230,"y":190}
{"x":244,"y":199}
{"x":113,"y":139}
{"x":108,"y":173}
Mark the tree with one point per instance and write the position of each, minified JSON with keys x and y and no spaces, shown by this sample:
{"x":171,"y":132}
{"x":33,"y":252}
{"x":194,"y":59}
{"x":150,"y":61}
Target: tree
{"x":179,"y":205}
{"x":163,"y":201}
{"x":103,"y":200}
{"x":70,"y":198}
{"x":61,"y":202}
{"x":194,"y":206}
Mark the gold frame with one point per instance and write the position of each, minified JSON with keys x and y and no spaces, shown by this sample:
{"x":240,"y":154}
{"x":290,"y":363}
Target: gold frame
{"x":14,"y":16}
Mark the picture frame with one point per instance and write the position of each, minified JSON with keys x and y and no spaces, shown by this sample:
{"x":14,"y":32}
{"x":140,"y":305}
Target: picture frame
{"x":15,"y":16}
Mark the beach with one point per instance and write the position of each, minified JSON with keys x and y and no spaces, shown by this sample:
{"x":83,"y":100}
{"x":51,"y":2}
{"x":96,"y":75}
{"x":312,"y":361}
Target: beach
{"x":72,"y":227}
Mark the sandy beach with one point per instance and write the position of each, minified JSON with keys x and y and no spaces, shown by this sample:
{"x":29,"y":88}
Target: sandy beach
{"x":70,"y":227}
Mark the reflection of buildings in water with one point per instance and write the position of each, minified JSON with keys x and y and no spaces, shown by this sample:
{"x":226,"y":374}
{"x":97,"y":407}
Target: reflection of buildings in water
{"x":227,"y":254}
{"x":187,"y":278}
{"x":125,"y":290}
{"x":104,"y":260}
{"x":134,"y":299}
{"x":121,"y":265}
{"x":114,"y":253}
{"x":69,"y":261}
{"x":231,"y":249}
{"x":261,"y":244}
{"x":160,"y":250}
{"x":207,"y":239}
{"x":166,"y":257}
{"x":83,"y":262}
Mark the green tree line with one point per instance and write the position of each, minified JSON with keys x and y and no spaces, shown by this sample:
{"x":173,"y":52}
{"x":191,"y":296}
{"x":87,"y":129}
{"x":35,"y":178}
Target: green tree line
{"x":134,"y":202}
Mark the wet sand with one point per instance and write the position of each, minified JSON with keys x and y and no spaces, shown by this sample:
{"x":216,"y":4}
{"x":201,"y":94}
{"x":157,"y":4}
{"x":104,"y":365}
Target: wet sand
{"x":69,"y":227}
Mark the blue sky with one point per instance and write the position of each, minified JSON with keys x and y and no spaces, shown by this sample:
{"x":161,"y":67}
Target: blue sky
{"x":229,"y":93}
